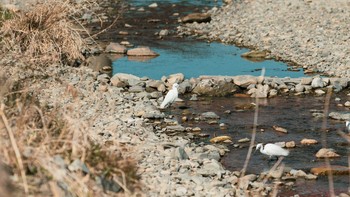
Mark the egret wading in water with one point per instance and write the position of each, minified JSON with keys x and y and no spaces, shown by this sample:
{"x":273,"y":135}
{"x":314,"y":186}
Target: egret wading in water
{"x":170,"y":97}
{"x":347,"y":124}
{"x":272,"y":150}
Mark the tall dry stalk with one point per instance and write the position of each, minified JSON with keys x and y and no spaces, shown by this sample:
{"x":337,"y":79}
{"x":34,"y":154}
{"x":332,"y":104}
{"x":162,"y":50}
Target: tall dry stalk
{"x":15,"y":149}
{"x":324,"y":141}
{"x":255,"y":124}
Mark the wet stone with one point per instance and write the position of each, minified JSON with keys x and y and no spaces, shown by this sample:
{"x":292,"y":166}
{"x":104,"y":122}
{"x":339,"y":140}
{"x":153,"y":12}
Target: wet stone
{"x":209,"y":115}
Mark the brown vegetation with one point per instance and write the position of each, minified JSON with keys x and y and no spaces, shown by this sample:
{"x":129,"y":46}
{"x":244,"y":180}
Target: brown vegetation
{"x":33,"y":136}
{"x":43,"y":34}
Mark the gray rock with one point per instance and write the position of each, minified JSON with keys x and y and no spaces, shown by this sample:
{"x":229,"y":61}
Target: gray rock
{"x":261,"y":91}
{"x":317,"y":82}
{"x":125,"y":78}
{"x":156,"y":94}
{"x":209,"y":115}
{"x":153,"y":115}
{"x":299,"y":87}
{"x":306,"y":81}
{"x":185,"y":87}
{"x":164,"y":32}
{"x":339,"y":115}
{"x":178,"y":128}
{"x":136,"y":89}
{"x":211,"y":168}
{"x":211,"y":87}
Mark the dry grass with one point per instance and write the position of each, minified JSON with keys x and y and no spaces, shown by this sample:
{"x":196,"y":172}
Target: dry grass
{"x":43,"y":34}
{"x":31,"y":137}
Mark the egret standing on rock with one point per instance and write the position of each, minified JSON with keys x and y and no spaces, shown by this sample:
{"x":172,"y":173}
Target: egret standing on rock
{"x":272,"y":150}
{"x":347,"y":124}
{"x":170,"y":97}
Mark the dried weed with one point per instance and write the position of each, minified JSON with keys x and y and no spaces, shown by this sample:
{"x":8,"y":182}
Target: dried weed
{"x":33,"y":136}
{"x":43,"y":34}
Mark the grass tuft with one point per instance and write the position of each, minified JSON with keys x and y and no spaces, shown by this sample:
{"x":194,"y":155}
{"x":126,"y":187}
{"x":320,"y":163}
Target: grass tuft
{"x":44,"y":34}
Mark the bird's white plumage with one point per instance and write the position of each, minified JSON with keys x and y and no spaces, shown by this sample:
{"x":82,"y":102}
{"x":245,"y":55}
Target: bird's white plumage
{"x":170,"y":97}
{"x":347,"y":124}
{"x":272,"y":150}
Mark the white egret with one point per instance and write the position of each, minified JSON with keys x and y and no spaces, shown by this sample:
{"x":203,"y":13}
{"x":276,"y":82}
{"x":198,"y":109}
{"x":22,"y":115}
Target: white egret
{"x":170,"y":97}
{"x":272,"y":150}
{"x":347,"y":124}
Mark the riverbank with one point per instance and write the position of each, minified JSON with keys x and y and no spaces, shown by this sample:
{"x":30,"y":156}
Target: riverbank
{"x":121,"y":114}
{"x":312,"y":34}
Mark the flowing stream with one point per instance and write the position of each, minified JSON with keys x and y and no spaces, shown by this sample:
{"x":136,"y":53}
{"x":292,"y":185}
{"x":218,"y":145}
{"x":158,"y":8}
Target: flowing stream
{"x":194,"y":58}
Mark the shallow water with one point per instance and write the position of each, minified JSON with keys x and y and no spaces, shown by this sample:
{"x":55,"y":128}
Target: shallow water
{"x":198,"y":58}
{"x":296,"y":117}
{"x":178,"y":55}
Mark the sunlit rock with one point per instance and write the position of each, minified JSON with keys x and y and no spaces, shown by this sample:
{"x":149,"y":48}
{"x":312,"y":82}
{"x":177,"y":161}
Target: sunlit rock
{"x":141,"y":51}
{"x":326,"y":152}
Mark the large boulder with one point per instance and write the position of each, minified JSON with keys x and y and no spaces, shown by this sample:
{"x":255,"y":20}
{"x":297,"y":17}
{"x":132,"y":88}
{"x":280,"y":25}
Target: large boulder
{"x":210,"y":87}
{"x":128,"y":79}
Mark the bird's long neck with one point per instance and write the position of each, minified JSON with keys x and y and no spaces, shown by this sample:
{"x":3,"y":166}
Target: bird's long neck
{"x":261,"y":148}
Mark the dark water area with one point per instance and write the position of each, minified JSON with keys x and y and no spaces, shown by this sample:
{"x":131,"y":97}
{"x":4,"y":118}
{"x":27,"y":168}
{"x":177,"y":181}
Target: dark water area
{"x":293,"y":113}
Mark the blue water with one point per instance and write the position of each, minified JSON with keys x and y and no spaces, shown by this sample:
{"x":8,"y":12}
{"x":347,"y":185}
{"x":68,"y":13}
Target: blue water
{"x":199,"y":58}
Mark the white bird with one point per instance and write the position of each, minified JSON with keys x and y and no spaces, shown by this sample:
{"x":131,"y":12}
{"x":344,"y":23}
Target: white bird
{"x":272,"y":150}
{"x":170,"y":97}
{"x":347,"y":124}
